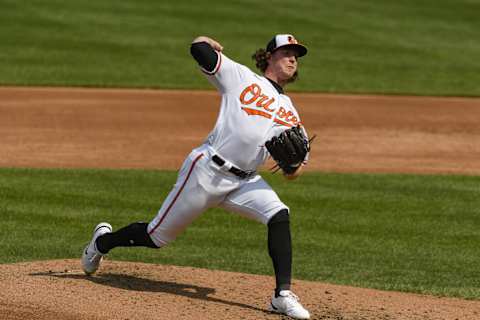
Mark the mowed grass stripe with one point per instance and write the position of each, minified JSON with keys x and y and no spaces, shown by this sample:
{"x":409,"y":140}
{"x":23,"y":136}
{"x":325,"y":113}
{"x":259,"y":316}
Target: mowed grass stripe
{"x":372,"y":46}
{"x":395,"y":232}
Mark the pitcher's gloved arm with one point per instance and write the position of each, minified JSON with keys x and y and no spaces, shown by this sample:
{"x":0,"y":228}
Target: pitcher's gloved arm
{"x":289,"y":150}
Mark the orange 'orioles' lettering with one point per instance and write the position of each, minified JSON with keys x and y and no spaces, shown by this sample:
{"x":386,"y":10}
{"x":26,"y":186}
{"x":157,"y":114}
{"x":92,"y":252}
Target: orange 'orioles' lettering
{"x":261,"y":102}
{"x":288,"y":117}
{"x":282,"y":122}
{"x":253,"y":94}
{"x":253,"y":112}
{"x":281,"y":112}
{"x":254,"y":90}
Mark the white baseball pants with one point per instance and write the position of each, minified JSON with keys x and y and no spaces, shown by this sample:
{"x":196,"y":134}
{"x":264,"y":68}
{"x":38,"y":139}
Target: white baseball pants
{"x":202,"y":184}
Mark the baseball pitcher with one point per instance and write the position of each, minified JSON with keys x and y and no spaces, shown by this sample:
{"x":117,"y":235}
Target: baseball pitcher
{"x":256,"y":120}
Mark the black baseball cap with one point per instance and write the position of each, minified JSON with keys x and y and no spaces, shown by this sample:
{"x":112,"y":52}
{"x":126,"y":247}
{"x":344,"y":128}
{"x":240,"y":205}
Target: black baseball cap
{"x":286,"y":40}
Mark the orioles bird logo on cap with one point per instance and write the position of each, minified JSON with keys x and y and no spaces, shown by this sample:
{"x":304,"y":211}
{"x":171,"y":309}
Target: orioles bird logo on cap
{"x":292,"y":40}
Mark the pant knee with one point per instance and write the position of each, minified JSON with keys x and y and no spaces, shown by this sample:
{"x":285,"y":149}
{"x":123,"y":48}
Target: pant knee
{"x":160,"y":239}
{"x":280,"y":216}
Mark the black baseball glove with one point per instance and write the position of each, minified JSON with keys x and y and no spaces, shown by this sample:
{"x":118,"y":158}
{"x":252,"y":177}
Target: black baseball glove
{"x":289,"y":149}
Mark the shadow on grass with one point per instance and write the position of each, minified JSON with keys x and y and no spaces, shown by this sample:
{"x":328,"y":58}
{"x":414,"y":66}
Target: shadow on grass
{"x":133,"y":283}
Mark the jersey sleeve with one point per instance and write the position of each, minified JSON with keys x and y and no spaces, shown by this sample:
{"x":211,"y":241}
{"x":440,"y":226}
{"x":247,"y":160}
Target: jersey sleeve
{"x":307,"y":156}
{"x":302,"y":127}
{"x":227,"y":74}
{"x":205,"y":56}
{"x":224,"y":73}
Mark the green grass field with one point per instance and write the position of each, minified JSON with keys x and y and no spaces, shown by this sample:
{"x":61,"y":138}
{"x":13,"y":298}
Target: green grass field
{"x":427,"y":47}
{"x":395,"y":232}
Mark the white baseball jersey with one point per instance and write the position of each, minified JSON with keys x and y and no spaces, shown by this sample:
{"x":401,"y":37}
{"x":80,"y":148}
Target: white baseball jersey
{"x":251,"y":112}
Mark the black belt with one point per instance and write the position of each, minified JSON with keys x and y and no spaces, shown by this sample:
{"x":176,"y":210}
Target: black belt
{"x":238,"y":172}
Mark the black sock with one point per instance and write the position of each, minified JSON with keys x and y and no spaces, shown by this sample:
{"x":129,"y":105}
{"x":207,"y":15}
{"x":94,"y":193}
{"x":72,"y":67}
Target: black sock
{"x":280,"y":250}
{"x":133,"y":235}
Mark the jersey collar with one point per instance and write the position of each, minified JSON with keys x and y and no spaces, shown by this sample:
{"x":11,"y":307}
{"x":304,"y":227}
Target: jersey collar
{"x":276,"y":86}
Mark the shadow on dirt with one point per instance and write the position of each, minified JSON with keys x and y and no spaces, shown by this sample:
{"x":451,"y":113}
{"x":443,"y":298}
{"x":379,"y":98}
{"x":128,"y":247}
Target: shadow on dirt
{"x":128,"y":282}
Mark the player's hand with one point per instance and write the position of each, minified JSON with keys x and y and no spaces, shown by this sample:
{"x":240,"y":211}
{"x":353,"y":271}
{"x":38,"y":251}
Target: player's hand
{"x":213,"y":43}
{"x":295,"y":174}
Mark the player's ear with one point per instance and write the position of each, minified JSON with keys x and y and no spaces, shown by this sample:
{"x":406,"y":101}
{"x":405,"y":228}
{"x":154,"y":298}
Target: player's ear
{"x":268,"y":56}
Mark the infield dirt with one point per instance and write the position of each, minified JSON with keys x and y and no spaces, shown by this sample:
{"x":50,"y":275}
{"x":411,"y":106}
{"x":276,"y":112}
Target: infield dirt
{"x":157,"y":129}
{"x":71,"y":128}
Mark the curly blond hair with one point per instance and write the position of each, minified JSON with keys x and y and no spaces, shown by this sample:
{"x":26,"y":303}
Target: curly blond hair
{"x":261,"y":57}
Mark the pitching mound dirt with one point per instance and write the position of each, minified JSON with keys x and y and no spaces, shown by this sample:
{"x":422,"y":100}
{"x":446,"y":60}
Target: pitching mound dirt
{"x":124,"y":290}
